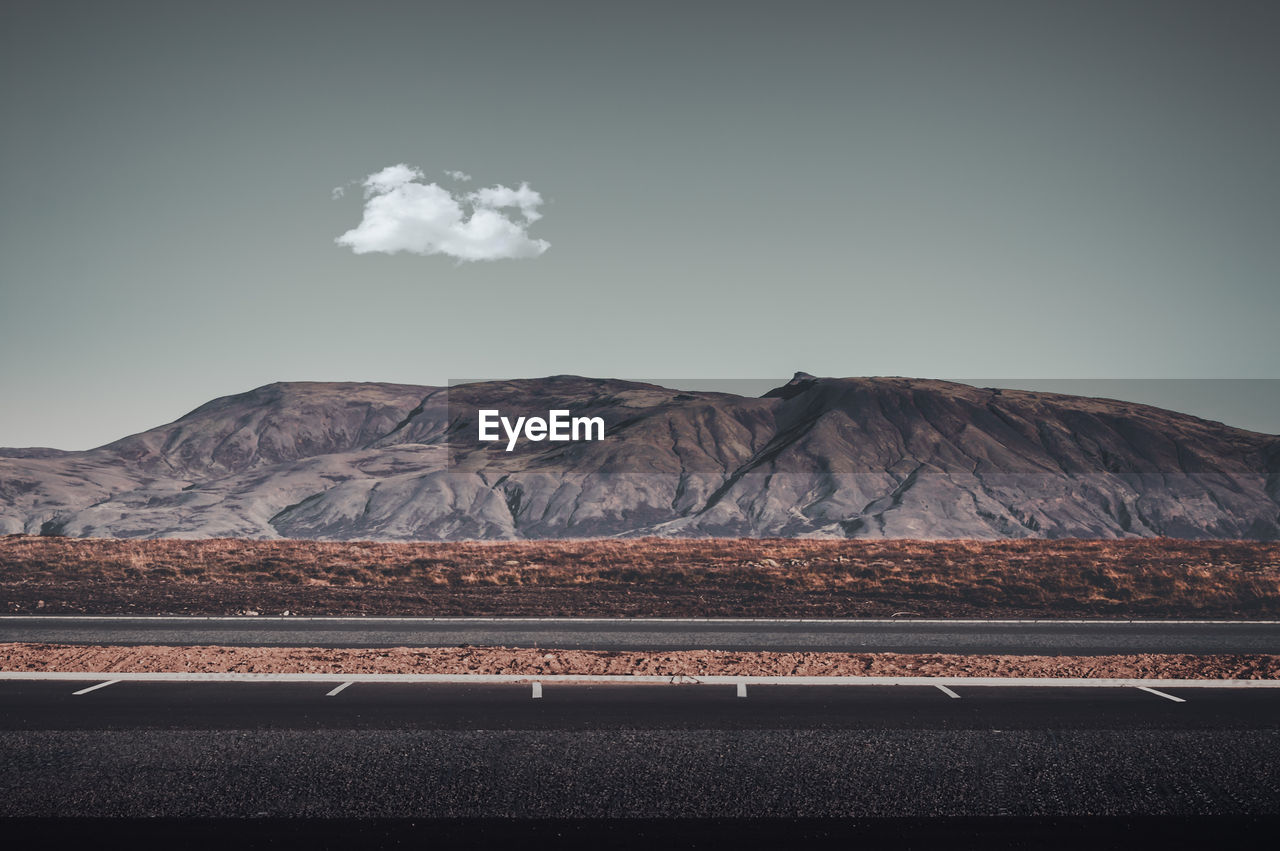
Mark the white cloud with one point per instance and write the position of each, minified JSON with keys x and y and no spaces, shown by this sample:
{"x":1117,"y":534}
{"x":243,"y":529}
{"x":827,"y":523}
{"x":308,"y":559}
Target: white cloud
{"x":402,"y":213}
{"x":389,"y":179}
{"x":337,"y":192}
{"x":497,"y":197}
{"x":457,"y":175}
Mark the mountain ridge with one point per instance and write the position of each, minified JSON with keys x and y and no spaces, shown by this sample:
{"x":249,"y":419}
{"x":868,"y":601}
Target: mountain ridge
{"x":884,"y":456}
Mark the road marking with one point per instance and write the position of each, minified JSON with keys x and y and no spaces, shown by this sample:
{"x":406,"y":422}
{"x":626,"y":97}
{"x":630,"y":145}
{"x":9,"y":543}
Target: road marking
{"x":632,"y":679}
{"x":537,"y":690}
{"x":335,"y":692}
{"x":948,"y":692}
{"x":742,"y":689}
{"x":1162,"y":694}
{"x":95,"y":688}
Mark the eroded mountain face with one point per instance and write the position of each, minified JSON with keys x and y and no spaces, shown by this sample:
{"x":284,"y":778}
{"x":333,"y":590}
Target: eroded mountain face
{"x":885,"y":457}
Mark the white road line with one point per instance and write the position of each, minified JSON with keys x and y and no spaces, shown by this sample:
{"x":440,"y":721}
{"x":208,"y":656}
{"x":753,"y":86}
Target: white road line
{"x":742,"y":689}
{"x":632,"y":679}
{"x":335,"y":692}
{"x":537,"y":690}
{"x":1162,"y":694}
{"x":95,"y":688}
{"x":948,"y":692}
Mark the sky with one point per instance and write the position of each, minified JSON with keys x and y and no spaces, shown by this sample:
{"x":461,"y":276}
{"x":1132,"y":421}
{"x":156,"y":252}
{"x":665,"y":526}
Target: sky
{"x":1036,"y":191}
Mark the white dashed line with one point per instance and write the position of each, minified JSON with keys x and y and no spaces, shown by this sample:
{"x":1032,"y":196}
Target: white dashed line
{"x":948,"y":692}
{"x":1162,"y":694}
{"x":335,"y":692}
{"x":95,"y":688}
{"x":742,"y":689}
{"x":537,"y":690}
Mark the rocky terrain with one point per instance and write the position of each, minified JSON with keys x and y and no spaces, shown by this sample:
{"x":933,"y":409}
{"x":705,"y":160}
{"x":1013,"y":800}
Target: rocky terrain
{"x":855,"y":457}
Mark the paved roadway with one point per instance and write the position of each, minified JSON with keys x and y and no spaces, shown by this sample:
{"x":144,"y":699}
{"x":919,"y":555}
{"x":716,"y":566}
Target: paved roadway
{"x":902,"y":636}
{"x":88,"y":704}
{"x":273,"y":764}
{"x":145,"y":749}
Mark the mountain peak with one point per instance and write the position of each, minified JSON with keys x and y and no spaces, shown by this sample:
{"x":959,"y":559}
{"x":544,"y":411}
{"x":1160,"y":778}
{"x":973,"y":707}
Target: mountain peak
{"x":799,"y":383}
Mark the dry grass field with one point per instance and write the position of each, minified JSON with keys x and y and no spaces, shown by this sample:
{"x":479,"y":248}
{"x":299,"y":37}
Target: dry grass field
{"x":706,"y":577}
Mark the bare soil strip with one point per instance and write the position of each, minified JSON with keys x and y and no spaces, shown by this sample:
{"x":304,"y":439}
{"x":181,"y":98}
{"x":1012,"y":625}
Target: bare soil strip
{"x":526,"y":661}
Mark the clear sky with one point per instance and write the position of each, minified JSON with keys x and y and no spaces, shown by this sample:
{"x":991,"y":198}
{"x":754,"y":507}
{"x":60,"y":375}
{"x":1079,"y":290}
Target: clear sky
{"x":1031,"y":190}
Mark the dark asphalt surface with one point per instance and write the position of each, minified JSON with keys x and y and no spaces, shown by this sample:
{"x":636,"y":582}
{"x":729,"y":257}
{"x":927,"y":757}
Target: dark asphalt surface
{"x":957,"y":636}
{"x":711,"y":834}
{"x":657,"y":773}
{"x":52,"y":705}
{"x":286,"y":750}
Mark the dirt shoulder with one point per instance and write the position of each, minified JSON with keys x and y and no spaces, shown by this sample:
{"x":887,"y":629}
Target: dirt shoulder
{"x":1148,"y":578}
{"x":525,"y":661}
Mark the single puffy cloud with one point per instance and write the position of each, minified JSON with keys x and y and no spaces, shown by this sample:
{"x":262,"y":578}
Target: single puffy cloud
{"x":403,"y":213}
{"x":457,"y":175}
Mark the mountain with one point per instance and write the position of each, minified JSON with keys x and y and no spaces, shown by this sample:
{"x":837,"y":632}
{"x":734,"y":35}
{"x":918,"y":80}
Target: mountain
{"x":879,"y":457}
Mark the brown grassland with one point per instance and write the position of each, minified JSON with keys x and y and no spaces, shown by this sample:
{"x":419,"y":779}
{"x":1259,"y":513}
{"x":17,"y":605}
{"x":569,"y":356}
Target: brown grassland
{"x":654,"y":577}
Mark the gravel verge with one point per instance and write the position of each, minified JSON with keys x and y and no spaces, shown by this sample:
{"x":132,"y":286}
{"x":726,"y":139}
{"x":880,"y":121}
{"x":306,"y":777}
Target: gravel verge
{"x":542,"y":661}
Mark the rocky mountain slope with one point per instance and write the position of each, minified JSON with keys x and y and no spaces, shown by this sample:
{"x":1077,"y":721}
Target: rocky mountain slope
{"x":881,"y":457}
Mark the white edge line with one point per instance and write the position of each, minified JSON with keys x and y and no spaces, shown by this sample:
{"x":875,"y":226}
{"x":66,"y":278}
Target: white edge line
{"x":1162,"y":694}
{"x":339,"y":689}
{"x":948,"y":692}
{"x":95,"y":688}
{"x":626,"y":679}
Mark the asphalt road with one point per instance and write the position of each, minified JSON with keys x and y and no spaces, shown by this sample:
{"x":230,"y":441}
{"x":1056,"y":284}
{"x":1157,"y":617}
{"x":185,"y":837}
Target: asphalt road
{"x":29,"y":705}
{"x":902,"y":636}
{"x":479,"y":764}
{"x":442,"y":751}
